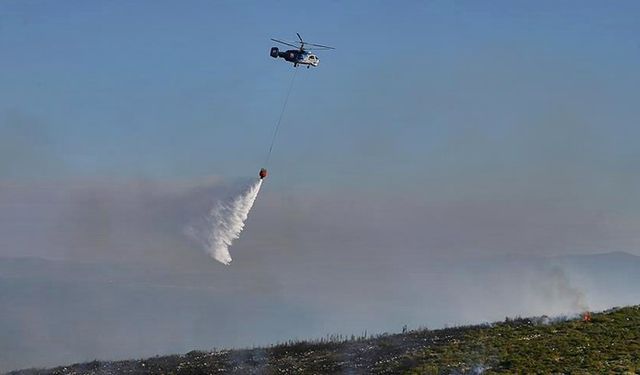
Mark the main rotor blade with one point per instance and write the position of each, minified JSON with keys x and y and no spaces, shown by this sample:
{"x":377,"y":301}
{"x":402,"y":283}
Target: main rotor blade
{"x":299,"y":37}
{"x":285,"y":43}
{"x":319,"y":45}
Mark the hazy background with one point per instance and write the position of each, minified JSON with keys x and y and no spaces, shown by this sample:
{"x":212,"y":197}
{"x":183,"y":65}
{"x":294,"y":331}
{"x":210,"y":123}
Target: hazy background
{"x":448,"y":163}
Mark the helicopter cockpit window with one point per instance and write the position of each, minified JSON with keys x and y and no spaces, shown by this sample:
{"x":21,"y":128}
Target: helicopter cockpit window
{"x":312,"y":57}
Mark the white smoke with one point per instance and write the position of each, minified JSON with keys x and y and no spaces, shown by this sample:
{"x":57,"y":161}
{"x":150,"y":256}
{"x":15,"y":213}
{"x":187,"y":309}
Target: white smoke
{"x":225,"y":222}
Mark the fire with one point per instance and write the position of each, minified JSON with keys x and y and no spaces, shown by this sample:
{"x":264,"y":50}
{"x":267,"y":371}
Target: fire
{"x":586,"y":317}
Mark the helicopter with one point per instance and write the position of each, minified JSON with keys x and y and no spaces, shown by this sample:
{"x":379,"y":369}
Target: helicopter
{"x":301,"y":55}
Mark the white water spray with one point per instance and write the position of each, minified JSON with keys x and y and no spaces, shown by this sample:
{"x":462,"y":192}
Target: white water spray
{"x":225,"y":222}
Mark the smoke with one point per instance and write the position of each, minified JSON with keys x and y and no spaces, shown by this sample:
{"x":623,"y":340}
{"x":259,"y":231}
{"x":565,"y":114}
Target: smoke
{"x":225,"y":222}
{"x":557,"y":287}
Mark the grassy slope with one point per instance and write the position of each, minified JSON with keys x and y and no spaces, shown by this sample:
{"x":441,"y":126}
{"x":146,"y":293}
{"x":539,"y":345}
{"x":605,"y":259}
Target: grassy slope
{"x":609,"y":344}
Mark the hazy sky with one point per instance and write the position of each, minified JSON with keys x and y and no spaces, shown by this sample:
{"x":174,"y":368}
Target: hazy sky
{"x":439,"y":129}
{"x":435,"y":102}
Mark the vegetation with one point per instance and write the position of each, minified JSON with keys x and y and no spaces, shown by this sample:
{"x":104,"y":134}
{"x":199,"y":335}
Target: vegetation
{"x":609,"y":343}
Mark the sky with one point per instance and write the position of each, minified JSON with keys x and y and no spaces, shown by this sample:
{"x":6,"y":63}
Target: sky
{"x":435,"y":131}
{"x":435,"y":102}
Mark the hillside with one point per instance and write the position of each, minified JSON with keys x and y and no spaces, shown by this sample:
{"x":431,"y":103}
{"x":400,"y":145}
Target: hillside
{"x":610,"y":343}
{"x":67,"y":311}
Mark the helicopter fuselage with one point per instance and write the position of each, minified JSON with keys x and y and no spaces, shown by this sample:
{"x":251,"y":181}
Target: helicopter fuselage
{"x":296,"y":56}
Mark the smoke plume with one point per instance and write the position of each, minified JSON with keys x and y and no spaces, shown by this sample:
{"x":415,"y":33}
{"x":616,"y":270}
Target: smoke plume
{"x":225,"y":222}
{"x":558,"y":287}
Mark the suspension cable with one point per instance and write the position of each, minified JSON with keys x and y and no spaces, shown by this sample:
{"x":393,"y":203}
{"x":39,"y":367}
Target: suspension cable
{"x":277,"y":127}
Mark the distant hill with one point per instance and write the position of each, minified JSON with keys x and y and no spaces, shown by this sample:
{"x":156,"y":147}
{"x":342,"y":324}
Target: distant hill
{"x":64,"y":311}
{"x":609,"y":343}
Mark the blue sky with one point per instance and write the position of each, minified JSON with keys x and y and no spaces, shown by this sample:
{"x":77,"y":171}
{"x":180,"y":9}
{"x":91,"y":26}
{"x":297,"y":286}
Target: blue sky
{"x":169,"y":90}
{"x":438,"y":102}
